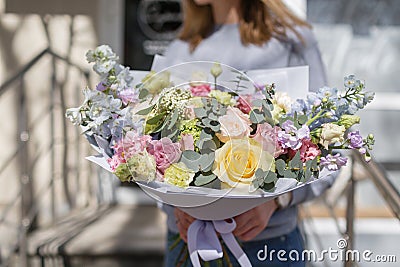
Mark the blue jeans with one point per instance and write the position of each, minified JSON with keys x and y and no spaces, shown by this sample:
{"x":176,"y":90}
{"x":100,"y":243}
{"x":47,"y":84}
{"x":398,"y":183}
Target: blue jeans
{"x":260,"y":252}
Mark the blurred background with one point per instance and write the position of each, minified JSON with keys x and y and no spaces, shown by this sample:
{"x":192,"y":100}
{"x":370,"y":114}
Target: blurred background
{"x":56,"y":209}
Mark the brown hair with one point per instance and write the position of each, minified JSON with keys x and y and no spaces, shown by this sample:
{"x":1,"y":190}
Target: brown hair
{"x":260,"y":20}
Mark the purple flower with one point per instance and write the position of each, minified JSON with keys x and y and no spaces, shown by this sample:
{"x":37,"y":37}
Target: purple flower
{"x":128,"y":96}
{"x":101,"y":87}
{"x":356,"y":140}
{"x":291,"y":137}
{"x":333,"y":163}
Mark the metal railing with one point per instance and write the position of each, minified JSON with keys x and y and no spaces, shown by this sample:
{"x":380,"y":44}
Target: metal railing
{"x":28,"y":199}
{"x":357,"y":170}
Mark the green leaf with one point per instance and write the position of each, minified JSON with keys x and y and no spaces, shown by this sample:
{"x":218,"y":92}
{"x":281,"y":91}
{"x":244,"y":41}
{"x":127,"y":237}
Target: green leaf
{"x":143,"y":93}
{"x":271,"y":177}
{"x":256,"y":116}
{"x":145,"y":111}
{"x":173,"y":120}
{"x":270,"y":187}
{"x":289,"y":174}
{"x":280,"y":166}
{"x":156,"y":119}
{"x":206,"y":162}
{"x":302,"y":119}
{"x":200,"y":112}
{"x":204,"y":179}
{"x":296,"y":162}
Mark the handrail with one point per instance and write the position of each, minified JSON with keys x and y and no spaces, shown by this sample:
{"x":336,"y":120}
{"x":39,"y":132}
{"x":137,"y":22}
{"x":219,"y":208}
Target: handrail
{"x":4,"y":87}
{"x":385,"y":187}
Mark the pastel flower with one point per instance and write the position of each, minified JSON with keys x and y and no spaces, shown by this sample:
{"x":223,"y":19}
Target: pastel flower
{"x":267,"y":136}
{"x":165,"y":152}
{"x":356,"y":140}
{"x":348,"y":120}
{"x":331,"y":134}
{"x":140,"y":167}
{"x":291,"y":137}
{"x":309,"y":150}
{"x":101,"y":87}
{"x":234,"y":124}
{"x":179,"y":175}
{"x":186,"y":142}
{"x":216,"y":70}
{"x":237,"y":161}
{"x":222,"y":97}
{"x":244,"y":103}
{"x":200,"y":90}
{"x":333,"y":162}
{"x":156,"y":82}
{"x":128,"y":96}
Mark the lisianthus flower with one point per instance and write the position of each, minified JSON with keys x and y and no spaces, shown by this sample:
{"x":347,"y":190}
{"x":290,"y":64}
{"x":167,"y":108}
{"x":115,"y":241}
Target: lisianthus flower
{"x":165,"y":152}
{"x":237,"y":161}
{"x":356,"y":140}
{"x":222,"y":97}
{"x":267,"y":136}
{"x":331,"y":133}
{"x":282,"y":105}
{"x":234,"y":124}
{"x":333,"y":162}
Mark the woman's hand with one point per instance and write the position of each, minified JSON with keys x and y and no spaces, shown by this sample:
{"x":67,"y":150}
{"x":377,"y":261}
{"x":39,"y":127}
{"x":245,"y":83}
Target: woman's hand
{"x":183,"y":221}
{"x":252,"y":222}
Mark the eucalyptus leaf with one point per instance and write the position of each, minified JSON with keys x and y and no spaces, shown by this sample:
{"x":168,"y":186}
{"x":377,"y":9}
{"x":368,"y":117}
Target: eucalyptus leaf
{"x":143,"y":93}
{"x":256,"y":117}
{"x":269,"y":187}
{"x":174,"y":119}
{"x":289,"y":174}
{"x":280,"y":166}
{"x":302,"y":119}
{"x":271,"y":177}
{"x":156,"y":119}
{"x":296,"y":162}
{"x":146,"y":110}
{"x":200,"y":112}
{"x":204,"y":179}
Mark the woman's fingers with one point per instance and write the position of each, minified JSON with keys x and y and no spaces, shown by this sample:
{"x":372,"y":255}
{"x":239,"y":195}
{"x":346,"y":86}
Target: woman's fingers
{"x":183,"y":221}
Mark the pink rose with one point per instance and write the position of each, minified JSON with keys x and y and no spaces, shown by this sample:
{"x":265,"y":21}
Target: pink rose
{"x":200,"y":90}
{"x":234,"y":124}
{"x":267,"y":136}
{"x":244,"y":103}
{"x":165,"y":152}
{"x":187,"y":142}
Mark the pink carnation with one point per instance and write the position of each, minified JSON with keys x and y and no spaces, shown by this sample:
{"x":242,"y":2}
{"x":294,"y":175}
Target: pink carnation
{"x":165,"y":152}
{"x":187,"y":142}
{"x":267,"y":136}
{"x":308,"y":150}
{"x":200,"y":90}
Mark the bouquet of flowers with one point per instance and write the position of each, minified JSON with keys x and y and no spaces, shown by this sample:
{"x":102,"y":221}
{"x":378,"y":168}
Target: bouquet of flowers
{"x":190,"y":142}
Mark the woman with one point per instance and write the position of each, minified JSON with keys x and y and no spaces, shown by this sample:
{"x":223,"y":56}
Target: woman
{"x":249,"y":34}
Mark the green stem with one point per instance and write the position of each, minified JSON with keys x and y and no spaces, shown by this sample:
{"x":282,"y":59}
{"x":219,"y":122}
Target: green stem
{"x":308,"y":123}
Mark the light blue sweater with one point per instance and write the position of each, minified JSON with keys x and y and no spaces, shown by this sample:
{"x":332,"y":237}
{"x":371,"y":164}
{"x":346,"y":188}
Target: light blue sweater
{"x":224,"y":46}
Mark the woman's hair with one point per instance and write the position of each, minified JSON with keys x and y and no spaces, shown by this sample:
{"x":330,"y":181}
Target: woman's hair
{"x":260,"y":20}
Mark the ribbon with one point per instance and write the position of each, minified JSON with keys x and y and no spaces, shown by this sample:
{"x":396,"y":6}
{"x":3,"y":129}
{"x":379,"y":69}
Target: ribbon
{"x":203,"y":241}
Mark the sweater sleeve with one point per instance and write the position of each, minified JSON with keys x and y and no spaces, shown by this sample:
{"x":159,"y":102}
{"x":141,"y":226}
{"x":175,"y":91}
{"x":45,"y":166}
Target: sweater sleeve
{"x":305,"y":51}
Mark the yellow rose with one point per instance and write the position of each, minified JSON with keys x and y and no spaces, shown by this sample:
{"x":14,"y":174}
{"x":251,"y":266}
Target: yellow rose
{"x":234,"y":124}
{"x":237,"y":161}
{"x":331,"y":133}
